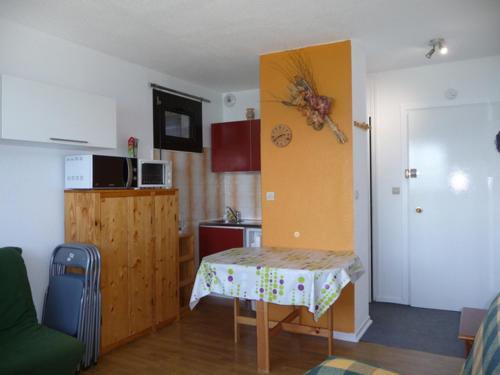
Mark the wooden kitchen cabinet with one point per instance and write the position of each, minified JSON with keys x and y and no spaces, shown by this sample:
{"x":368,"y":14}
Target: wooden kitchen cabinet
{"x":236,"y":146}
{"x":214,"y":239}
{"x":136,"y":232}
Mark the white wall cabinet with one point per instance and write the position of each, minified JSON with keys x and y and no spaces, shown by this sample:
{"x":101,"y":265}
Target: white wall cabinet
{"x":39,"y":112}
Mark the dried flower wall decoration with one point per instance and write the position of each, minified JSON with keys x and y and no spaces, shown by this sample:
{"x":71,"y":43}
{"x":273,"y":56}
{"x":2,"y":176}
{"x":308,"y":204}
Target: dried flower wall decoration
{"x":303,"y":95}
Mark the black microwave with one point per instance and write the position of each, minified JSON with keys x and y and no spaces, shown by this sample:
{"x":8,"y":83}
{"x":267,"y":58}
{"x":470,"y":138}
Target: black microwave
{"x":100,"y":172}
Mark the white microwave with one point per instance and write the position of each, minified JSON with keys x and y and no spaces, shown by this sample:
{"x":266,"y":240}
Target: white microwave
{"x":154,"y":173}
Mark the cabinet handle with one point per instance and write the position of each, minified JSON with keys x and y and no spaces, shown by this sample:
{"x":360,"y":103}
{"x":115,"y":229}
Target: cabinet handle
{"x":68,"y":140}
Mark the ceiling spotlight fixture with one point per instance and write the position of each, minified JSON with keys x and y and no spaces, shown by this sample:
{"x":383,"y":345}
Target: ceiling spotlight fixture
{"x":443,"y":50}
{"x":430,"y":53}
{"x":437,"y":44}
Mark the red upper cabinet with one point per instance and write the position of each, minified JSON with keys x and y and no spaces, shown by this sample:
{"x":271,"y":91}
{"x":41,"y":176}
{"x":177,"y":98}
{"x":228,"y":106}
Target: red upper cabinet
{"x":236,"y":146}
{"x":255,"y":145}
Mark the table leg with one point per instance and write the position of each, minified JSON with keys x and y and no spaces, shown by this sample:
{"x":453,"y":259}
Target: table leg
{"x":330,"y":330}
{"x":263,"y":361}
{"x":468,"y":347}
{"x":236,"y":325}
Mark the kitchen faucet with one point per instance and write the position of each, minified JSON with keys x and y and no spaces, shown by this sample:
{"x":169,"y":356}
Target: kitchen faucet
{"x":232,"y":215}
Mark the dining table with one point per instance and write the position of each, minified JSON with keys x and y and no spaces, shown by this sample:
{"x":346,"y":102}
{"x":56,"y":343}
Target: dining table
{"x":308,"y":278}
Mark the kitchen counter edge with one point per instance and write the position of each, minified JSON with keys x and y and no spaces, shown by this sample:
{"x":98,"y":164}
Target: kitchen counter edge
{"x":243,"y":224}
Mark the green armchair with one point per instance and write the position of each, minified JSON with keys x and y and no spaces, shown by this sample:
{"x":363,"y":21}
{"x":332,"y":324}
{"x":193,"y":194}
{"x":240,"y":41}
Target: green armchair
{"x":27,"y":347}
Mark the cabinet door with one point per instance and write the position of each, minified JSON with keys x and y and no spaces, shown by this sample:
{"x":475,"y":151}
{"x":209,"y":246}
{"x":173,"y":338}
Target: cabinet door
{"x":166,"y":253}
{"x":255,"y":145}
{"x":140,"y":262}
{"x":115,"y":271}
{"x":231,"y":150}
{"x":39,"y":112}
{"x":215,"y":239}
{"x":82,"y":218}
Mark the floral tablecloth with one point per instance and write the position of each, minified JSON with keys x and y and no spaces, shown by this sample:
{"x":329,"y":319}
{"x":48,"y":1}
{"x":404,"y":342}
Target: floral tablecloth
{"x":298,"y":277}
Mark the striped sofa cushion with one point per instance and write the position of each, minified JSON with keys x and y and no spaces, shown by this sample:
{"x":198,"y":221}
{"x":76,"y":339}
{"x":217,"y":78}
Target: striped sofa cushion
{"x":484,"y":358}
{"x":342,"y":366}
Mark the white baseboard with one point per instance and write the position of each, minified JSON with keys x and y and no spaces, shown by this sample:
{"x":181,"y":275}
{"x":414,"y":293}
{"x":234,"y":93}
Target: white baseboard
{"x":355,"y":336}
{"x":397,"y":300}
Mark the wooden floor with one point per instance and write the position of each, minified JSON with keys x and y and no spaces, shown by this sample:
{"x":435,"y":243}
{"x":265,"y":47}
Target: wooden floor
{"x":202,"y":343}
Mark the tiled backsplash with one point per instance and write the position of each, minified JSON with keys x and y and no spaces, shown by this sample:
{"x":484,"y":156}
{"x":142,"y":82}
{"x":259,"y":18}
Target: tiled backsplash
{"x":201,"y":192}
{"x":204,"y":195}
{"x":242,"y":192}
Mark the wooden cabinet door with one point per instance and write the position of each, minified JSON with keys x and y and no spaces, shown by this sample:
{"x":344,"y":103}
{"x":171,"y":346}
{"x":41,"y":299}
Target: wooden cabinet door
{"x":215,"y":239}
{"x":166,"y":230}
{"x":115,"y":270}
{"x":140,"y":262}
{"x":82,"y":218}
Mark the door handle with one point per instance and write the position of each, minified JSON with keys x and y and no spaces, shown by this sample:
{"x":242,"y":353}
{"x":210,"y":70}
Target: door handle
{"x":418,"y":210}
{"x":68,"y":140}
{"x":411,"y":173}
{"x":130,"y":173}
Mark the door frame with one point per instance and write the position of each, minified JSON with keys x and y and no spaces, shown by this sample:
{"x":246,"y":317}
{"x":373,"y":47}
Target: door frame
{"x":405,"y":156}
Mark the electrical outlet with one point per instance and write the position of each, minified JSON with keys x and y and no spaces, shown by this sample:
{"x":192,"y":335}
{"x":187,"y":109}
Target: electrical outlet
{"x":269,"y":195}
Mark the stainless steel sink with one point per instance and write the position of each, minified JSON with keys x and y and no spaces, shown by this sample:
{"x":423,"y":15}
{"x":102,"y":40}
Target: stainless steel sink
{"x":229,"y":223}
{"x":223,"y":221}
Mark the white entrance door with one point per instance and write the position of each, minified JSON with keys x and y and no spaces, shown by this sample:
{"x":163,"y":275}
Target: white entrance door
{"x":454,"y":206}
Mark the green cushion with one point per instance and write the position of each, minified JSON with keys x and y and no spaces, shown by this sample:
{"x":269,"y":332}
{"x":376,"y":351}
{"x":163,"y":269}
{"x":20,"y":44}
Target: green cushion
{"x":343,"y":366}
{"x":40,"y":350}
{"x":27,"y":347}
{"x":16,"y":303}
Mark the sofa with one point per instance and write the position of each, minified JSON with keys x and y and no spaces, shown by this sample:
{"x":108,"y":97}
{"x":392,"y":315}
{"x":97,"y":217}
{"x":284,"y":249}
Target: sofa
{"x":484,"y":358}
{"x":27,"y":347}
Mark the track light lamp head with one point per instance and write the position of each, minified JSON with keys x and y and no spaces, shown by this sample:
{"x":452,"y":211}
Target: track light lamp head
{"x":430,"y":53}
{"x":437,"y":44}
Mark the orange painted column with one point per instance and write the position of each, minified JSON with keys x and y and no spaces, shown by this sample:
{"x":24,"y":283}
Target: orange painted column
{"x":312,"y":177}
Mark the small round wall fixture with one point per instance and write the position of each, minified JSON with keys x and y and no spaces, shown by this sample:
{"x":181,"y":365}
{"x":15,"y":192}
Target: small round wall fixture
{"x":451,"y":94}
{"x":281,"y":135}
{"x":229,"y":100}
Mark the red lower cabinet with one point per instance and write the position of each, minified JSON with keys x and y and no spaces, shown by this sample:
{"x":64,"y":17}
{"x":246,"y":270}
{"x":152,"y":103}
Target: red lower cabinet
{"x":215,"y":239}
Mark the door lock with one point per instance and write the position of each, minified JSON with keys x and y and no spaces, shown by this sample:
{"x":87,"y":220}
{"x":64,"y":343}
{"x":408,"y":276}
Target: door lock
{"x":411,"y":173}
{"x":418,"y":210}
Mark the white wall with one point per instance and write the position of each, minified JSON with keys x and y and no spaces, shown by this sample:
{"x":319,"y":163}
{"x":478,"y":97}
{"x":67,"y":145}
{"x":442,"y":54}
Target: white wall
{"x":244,"y":99}
{"x":361,"y":188}
{"x":474,"y":80}
{"x":31,"y":176}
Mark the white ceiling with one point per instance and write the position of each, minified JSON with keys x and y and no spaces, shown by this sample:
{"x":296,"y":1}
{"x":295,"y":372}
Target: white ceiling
{"x":216,"y":43}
